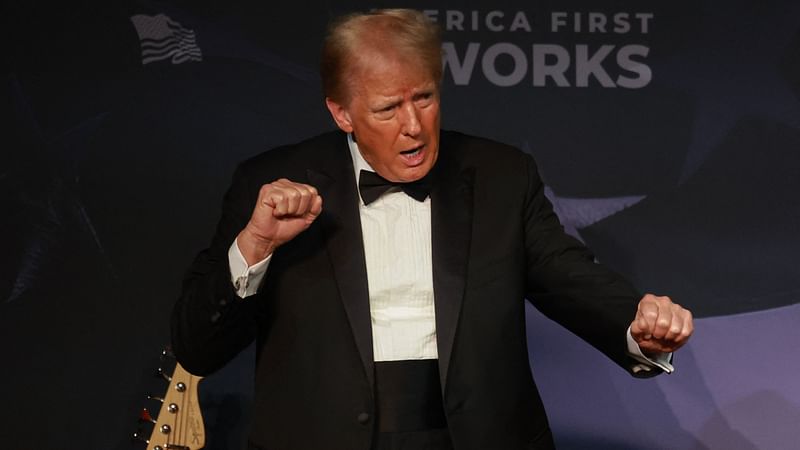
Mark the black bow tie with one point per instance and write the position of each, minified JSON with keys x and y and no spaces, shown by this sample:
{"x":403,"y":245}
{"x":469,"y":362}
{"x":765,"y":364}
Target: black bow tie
{"x":371,"y":186}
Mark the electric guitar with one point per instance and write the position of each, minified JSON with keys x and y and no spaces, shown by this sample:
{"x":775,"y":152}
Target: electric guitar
{"x":179,"y":424}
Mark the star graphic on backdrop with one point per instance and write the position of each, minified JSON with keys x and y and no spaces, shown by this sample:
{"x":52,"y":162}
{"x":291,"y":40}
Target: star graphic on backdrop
{"x":732,"y":70}
{"x":578,"y":213}
{"x":59,"y":203}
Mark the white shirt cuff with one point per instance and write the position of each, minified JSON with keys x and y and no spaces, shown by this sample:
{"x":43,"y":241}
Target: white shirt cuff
{"x":246,"y":279}
{"x":661,"y":360}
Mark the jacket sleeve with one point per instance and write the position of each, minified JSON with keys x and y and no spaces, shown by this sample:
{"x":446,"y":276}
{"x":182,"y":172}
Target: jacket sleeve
{"x":568,"y":285}
{"x":210,"y":323}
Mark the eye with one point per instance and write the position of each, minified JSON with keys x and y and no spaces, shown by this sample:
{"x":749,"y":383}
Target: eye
{"x":424,"y":98}
{"x":387,"y":112}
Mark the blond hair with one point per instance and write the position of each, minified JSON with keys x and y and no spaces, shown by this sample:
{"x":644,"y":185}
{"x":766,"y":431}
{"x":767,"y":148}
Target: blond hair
{"x":404,"y":33}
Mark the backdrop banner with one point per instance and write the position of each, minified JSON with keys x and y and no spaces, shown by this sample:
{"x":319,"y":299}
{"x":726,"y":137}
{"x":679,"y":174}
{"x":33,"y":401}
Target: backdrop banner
{"x":667,"y":134}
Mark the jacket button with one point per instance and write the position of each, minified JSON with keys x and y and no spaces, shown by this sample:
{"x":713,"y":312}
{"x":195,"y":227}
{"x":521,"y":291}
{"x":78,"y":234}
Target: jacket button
{"x":363,"y":418}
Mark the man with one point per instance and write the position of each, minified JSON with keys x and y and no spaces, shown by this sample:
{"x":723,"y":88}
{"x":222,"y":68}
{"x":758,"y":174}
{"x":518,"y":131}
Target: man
{"x":394,"y":319}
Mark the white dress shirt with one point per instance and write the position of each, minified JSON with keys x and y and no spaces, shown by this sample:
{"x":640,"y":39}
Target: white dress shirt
{"x":396,"y":232}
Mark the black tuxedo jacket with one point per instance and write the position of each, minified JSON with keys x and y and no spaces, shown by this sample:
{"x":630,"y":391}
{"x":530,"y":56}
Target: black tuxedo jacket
{"x":496,"y":242}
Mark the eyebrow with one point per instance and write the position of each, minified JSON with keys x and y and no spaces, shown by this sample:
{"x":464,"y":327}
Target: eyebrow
{"x":384,"y":104}
{"x":390,"y":101}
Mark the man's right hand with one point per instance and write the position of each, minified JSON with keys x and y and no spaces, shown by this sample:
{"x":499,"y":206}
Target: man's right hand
{"x":284,"y":209}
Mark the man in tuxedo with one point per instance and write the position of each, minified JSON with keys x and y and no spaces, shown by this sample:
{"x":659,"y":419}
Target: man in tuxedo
{"x":382,"y":270}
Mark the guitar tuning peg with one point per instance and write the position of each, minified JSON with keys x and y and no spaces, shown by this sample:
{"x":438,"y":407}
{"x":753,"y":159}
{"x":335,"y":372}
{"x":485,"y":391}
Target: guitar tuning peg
{"x":153,"y":397}
{"x":166,"y":352}
{"x":137,"y":436}
{"x":145,"y":416}
{"x":160,"y":373}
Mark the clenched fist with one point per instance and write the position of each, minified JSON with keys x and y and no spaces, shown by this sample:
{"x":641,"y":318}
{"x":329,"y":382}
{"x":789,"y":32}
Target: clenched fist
{"x":284,"y":209}
{"x":661,"y":326}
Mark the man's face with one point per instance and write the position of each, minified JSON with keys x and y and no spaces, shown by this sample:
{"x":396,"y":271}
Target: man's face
{"x":393,"y":111}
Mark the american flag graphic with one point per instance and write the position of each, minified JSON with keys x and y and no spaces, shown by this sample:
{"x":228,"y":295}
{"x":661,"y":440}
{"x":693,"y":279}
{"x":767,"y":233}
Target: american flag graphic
{"x":162,"y":38}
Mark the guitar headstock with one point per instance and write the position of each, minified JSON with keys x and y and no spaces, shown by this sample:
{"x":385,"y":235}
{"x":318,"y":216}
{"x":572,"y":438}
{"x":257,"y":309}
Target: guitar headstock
{"x":179,"y":424}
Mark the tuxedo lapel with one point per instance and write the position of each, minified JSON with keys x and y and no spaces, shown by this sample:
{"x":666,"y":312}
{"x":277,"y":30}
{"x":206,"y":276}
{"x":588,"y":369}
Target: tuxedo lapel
{"x":341,"y":227}
{"x":451,"y":227}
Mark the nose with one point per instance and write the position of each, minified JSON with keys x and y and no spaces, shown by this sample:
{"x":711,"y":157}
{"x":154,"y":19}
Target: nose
{"x":410,"y":120}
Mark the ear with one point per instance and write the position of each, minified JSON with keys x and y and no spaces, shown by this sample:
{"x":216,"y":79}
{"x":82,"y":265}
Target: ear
{"x":340,"y":115}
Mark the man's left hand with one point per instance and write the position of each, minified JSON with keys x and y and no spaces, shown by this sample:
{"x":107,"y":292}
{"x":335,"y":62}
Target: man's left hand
{"x":661,"y":326}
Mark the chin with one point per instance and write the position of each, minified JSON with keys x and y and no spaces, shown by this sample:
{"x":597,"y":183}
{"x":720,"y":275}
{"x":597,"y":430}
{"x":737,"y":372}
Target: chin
{"x":413,"y":173}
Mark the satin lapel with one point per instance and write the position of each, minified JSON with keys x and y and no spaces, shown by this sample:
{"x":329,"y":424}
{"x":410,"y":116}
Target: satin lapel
{"x":451,"y":228}
{"x":341,"y":227}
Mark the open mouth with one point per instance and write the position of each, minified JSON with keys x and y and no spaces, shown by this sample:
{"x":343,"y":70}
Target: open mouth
{"x":413,"y":157}
{"x":412,"y":152}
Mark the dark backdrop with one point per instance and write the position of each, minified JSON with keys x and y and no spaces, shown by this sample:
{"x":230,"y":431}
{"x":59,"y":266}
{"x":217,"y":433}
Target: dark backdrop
{"x":667,"y":133}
